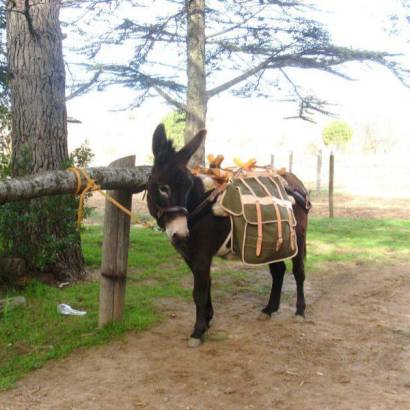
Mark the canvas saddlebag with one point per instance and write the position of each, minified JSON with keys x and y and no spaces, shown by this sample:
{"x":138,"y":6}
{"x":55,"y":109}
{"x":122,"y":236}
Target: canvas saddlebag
{"x":262,"y":219}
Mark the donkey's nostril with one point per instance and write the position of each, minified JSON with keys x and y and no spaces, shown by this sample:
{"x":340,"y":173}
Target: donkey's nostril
{"x":176,"y":237}
{"x":177,"y":229}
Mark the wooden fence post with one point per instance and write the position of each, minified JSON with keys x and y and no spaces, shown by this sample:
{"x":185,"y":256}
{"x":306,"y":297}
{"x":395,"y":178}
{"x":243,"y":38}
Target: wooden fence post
{"x":272,"y":160}
{"x":318,"y":171}
{"x":290,"y":161}
{"x":331,"y":183}
{"x":115,"y":252}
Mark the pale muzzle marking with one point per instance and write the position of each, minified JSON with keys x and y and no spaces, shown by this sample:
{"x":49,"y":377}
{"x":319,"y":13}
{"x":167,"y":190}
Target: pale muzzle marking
{"x":177,"y":227}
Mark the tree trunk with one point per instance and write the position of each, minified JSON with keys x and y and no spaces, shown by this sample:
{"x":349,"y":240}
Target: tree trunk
{"x":196,"y":92}
{"x":39,"y":123}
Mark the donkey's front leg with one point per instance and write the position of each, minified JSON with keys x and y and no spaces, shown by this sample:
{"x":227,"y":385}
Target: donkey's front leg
{"x":201,"y":293}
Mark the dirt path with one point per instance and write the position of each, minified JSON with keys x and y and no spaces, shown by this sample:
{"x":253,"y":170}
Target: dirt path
{"x":353,"y":352}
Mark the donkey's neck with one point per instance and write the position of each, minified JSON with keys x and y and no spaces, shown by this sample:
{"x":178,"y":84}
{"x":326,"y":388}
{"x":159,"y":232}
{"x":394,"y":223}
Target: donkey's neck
{"x":196,"y":194}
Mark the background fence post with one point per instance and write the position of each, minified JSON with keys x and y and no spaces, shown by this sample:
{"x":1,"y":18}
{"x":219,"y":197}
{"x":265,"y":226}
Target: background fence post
{"x":318,"y":171}
{"x":115,"y":252}
{"x":331,"y":183}
{"x":272,"y":160}
{"x":290,"y":161}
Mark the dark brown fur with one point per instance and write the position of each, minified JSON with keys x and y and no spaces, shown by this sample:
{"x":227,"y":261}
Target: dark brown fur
{"x":208,"y":232}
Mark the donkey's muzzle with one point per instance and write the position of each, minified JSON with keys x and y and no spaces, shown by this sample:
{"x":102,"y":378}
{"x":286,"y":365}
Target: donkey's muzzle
{"x":177,"y":229}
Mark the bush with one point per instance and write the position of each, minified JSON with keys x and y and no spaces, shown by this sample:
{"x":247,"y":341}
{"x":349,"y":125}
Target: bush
{"x":175,"y":127}
{"x":28,"y":228}
{"x":337,"y":134}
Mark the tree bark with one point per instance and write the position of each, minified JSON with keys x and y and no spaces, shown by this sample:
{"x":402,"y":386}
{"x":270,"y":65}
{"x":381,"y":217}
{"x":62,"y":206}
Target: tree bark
{"x":39,"y":117}
{"x":196,"y":72}
{"x":65,"y":182}
{"x":37,"y":83}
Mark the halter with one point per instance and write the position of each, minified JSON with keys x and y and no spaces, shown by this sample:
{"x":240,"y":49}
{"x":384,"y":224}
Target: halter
{"x":210,"y":198}
{"x":170,"y":210}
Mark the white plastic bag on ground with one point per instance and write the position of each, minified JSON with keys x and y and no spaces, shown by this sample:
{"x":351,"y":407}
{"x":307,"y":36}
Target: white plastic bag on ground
{"x":69,"y":311}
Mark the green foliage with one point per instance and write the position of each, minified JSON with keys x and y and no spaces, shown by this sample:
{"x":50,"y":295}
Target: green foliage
{"x":175,"y":127}
{"x":28,"y":229}
{"x":82,"y":156}
{"x":337,"y":134}
{"x":36,"y":333}
{"x":348,"y":240}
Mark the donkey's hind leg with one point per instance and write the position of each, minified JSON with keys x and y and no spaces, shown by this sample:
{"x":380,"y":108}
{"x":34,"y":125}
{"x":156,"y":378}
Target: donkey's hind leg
{"x":277,"y":271}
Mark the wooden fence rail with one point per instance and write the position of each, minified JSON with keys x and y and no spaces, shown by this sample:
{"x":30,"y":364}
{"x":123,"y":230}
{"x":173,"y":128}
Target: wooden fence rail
{"x":65,"y":182}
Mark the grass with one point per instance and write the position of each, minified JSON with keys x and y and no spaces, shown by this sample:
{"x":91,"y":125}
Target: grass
{"x":357,"y":240}
{"x":31,"y":335}
{"x":36,"y":333}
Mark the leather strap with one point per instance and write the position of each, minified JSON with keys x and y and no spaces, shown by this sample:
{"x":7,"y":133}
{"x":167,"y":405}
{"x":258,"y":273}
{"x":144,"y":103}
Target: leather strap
{"x":211,"y":197}
{"x":258,"y":218}
{"x":279,"y":242}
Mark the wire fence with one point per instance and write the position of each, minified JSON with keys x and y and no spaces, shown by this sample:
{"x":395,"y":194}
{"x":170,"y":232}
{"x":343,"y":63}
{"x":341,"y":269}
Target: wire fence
{"x":362,"y":175}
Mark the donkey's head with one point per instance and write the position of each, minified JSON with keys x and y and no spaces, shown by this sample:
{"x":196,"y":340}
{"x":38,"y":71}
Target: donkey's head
{"x":170,"y":183}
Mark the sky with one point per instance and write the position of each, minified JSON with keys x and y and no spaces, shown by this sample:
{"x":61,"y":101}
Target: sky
{"x":256,"y":127}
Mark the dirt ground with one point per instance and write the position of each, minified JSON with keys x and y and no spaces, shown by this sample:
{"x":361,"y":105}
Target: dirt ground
{"x":351,"y":352}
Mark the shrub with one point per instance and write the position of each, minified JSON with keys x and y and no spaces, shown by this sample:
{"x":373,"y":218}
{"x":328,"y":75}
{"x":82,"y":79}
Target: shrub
{"x":27,"y":228}
{"x":337,"y":134}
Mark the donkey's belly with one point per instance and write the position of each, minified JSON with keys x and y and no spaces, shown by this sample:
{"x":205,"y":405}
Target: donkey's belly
{"x":225,"y":251}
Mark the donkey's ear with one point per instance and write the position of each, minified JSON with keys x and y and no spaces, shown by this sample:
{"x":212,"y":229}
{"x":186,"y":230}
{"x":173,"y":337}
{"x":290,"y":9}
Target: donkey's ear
{"x":159,"y":139}
{"x":185,"y":153}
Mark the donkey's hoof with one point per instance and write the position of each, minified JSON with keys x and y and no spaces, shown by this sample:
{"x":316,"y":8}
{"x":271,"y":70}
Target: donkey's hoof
{"x":263,"y":316}
{"x":194,"y":342}
{"x":299,"y":318}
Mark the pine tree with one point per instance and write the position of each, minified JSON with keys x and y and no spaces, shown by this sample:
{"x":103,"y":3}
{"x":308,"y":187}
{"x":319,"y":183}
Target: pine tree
{"x":42,"y":232}
{"x":190,"y":51}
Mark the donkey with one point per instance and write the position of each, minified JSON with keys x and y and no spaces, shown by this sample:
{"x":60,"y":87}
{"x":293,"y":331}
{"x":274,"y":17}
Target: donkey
{"x":178,"y":201}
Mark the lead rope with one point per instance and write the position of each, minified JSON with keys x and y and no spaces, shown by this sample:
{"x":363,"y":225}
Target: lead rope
{"x":91,"y":187}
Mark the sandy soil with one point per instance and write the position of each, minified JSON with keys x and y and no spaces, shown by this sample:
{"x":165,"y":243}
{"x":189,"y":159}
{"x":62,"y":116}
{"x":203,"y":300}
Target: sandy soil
{"x":352,"y":352}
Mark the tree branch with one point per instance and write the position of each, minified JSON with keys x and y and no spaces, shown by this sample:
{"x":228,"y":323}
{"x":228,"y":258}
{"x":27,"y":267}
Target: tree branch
{"x":239,"y":78}
{"x":235,"y":26}
{"x":181,"y":106}
{"x":322,"y":59}
{"x":83,"y":88}
{"x":306,"y":103}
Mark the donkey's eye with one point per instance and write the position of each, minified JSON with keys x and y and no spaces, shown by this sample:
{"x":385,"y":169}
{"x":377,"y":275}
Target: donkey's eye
{"x":164,"y":190}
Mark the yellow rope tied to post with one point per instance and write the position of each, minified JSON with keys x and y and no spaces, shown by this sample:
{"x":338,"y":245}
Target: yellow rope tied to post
{"x":91,"y":187}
